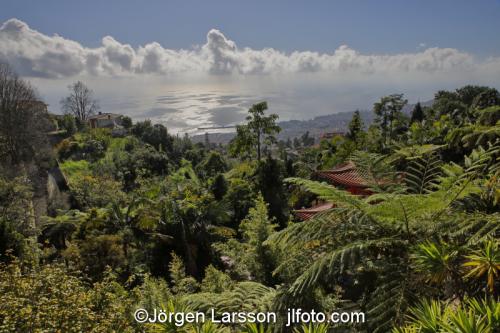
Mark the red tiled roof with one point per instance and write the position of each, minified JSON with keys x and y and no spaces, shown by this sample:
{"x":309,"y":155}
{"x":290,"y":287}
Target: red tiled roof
{"x":307,"y":213}
{"x":345,"y":175}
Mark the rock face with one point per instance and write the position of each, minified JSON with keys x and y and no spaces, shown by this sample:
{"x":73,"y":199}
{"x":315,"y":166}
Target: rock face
{"x":38,"y":179}
{"x":49,"y":191}
{"x":57,"y":190}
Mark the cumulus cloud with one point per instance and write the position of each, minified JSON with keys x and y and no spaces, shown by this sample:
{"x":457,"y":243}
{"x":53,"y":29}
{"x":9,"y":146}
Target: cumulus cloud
{"x":37,"y":55}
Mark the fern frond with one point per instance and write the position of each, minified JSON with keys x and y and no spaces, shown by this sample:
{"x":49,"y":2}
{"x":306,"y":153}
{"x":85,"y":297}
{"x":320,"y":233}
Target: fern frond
{"x":327,"y":192}
{"x":388,"y":303}
{"x":321,"y":225}
{"x":481,"y":135}
{"x":337,"y":261}
{"x":422,"y":174}
{"x":413,"y":152}
{"x":476,"y":228}
{"x":480,"y":161}
{"x":412,"y":208}
{"x":478,"y":164}
{"x":377,"y":171}
{"x":245,"y":296}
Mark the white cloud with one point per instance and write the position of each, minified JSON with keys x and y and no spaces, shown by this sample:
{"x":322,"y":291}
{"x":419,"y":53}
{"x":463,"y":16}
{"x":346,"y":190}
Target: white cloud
{"x":34,"y":54}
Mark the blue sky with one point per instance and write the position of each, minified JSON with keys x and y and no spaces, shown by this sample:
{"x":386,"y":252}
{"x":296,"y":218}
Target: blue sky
{"x":385,"y":26}
{"x":201,"y":63}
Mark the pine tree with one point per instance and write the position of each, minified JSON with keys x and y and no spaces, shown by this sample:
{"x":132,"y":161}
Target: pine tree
{"x":355,"y":126}
{"x":417,"y":115}
{"x":307,"y":140}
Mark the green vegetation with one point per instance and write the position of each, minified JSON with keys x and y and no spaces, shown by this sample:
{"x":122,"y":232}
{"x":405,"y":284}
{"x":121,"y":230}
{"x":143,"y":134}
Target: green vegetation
{"x":154,"y":221}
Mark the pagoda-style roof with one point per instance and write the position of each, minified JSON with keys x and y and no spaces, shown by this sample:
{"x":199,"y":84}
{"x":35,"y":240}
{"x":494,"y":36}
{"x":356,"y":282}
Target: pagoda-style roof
{"x":307,"y":213}
{"x":345,"y":174}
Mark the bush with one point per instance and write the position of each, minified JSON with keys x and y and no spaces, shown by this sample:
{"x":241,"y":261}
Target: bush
{"x":51,"y":300}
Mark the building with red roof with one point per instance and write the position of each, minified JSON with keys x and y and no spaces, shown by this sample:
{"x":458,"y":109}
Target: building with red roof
{"x":348,"y":177}
{"x":345,"y":176}
{"x":307,"y":213}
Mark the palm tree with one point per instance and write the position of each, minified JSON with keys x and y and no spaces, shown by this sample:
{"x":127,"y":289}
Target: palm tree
{"x":186,"y":212}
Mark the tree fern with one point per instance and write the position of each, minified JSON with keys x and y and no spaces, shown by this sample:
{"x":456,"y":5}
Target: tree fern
{"x":324,"y":225}
{"x":422,"y":174}
{"x":412,"y":152}
{"x":387,"y":304}
{"x":327,"y":192}
{"x":339,"y":260}
{"x":245,"y":296}
{"x":478,"y":164}
{"x":377,"y":171}
{"x":378,"y":235}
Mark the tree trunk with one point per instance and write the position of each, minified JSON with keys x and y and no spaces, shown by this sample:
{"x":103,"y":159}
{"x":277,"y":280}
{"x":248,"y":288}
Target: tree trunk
{"x":258,"y":146}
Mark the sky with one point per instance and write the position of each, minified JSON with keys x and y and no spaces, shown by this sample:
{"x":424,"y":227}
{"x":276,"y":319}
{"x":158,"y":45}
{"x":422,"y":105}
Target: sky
{"x":191,"y":64}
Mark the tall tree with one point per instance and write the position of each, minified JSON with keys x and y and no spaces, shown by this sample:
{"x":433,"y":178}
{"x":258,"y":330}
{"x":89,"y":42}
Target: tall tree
{"x":80,"y":102}
{"x":24,"y":120}
{"x":307,"y":140}
{"x":388,"y":112}
{"x":417,"y":115}
{"x":258,"y":130}
{"x":487,"y":98}
{"x":207,"y":141}
{"x":468,"y":93}
{"x":156,"y":135}
{"x":355,"y":126}
{"x":269,"y":180}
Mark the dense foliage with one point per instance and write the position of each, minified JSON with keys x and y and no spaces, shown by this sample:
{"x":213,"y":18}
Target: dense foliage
{"x":153,"y":220}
